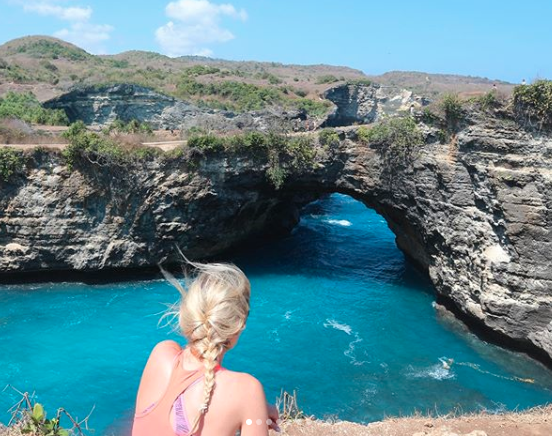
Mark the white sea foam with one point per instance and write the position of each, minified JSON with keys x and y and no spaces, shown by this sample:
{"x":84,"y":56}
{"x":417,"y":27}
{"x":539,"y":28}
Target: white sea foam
{"x":351,"y":350}
{"x":437,"y":372}
{"x":338,"y":326}
{"x":287,"y":315}
{"x":343,"y":223}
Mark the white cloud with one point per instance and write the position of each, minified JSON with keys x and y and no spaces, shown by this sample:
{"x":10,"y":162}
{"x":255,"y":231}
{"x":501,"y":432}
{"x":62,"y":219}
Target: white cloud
{"x":80,"y":31}
{"x":87,"y":35}
{"x":195,"y":25}
{"x":63,"y":13}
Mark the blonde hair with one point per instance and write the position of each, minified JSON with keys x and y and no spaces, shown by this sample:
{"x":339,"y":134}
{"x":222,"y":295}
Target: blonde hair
{"x":211,"y":311}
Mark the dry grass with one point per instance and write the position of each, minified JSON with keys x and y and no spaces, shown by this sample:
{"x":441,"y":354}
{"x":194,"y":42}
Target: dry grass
{"x":534,"y":422}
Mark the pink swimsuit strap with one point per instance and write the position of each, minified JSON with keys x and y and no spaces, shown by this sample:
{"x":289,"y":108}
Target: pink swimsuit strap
{"x":182,"y":425}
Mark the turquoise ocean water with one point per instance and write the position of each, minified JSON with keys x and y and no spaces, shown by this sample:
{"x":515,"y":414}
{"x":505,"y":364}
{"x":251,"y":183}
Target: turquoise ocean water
{"x":337,"y":315}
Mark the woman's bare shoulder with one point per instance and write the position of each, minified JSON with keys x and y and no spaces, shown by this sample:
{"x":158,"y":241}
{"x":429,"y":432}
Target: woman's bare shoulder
{"x":168,"y":346}
{"x":156,"y":374}
{"x":162,"y":356}
{"x":242,"y":382}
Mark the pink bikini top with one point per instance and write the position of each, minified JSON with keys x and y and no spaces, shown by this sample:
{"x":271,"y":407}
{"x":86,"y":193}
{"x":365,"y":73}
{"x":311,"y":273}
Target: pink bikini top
{"x":155,"y":419}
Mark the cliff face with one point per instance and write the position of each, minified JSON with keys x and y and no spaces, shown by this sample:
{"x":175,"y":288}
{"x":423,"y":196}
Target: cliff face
{"x":476,"y":214}
{"x":361,"y":104}
{"x":102,"y":105}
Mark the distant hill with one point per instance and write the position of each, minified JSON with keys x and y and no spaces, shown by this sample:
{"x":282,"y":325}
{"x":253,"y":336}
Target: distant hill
{"x":433,"y":85}
{"x":49,"y":67}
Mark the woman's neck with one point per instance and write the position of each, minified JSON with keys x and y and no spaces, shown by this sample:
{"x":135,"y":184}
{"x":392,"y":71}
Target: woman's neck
{"x":193,"y":353}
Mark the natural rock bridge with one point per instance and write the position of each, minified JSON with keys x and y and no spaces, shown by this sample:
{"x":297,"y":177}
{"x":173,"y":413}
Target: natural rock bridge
{"x":475,"y":214}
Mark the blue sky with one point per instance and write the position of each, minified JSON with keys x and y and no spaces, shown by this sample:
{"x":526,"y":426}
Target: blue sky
{"x":496,"y":39}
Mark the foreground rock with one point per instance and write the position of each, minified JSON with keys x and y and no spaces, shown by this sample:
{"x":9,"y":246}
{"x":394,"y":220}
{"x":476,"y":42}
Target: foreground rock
{"x":475,"y":214}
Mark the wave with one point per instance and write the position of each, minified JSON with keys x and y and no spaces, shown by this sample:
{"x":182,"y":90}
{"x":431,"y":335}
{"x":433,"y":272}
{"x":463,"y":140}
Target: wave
{"x":343,"y":223}
{"x":349,"y":352}
{"x":338,"y":326}
{"x":437,"y":372}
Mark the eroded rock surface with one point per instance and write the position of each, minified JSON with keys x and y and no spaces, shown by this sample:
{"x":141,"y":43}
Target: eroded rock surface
{"x":363,"y":104}
{"x":475,"y":213}
{"x":100,"y":106}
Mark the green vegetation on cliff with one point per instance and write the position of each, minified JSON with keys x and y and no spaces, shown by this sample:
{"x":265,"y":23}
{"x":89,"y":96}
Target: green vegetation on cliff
{"x":328,"y":137}
{"x":398,"y":133}
{"x":26,"y":107}
{"x":132,"y":126}
{"x":533,"y":103}
{"x":240,"y":97}
{"x":87,"y":147}
{"x":11,"y":162}
{"x":284,"y":154}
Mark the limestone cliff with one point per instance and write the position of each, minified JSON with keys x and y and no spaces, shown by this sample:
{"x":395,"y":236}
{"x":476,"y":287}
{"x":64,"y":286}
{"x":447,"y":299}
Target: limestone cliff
{"x":99,"y":106}
{"x":367,"y":103}
{"x":475,"y":213}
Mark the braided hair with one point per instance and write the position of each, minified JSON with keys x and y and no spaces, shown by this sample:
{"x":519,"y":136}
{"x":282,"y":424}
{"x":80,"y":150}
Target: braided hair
{"x":213,"y":310}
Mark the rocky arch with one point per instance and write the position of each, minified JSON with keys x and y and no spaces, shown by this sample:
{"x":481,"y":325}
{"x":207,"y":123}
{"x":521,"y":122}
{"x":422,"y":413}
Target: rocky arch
{"x":475,"y":214}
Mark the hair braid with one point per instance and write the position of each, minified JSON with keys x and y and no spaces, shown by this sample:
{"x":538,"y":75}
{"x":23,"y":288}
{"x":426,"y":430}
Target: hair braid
{"x":212,"y":311}
{"x":210,"y":353}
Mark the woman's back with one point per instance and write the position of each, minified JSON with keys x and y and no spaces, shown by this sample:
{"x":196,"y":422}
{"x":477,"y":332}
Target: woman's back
{"x":185,"y":391}
{"x":170,"y":372}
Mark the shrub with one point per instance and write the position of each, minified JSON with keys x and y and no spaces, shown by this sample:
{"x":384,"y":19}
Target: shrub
{"x":361,"y":82}
{"x":250,"y":140}
{"x":48,"y":65}
{"x":329,"y":137}
{"x":452,"y":108}
{"x":314,"y":108}
{"x":119,"y":63}
{"x":85,"y":146}
{"x":401,"y":133}
{"x":132,"y":126}
{"x":428,"y":116}
{"x":363,"y":135}
{"x":534,"y":102}
{"x":487,"y":101}
{"x":26,"y":107}
{"x":29,"y":417}
{"x":274,"y":80}
{"x":11,"y":162}
{"x":328,"y":78}
{"x":277,"y":175}
{"x":301,"y":148}
{"x":38,"y":424}
{"x":206,"y":142}
{"x":200,"y":70}
{"x":74,"y":130}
